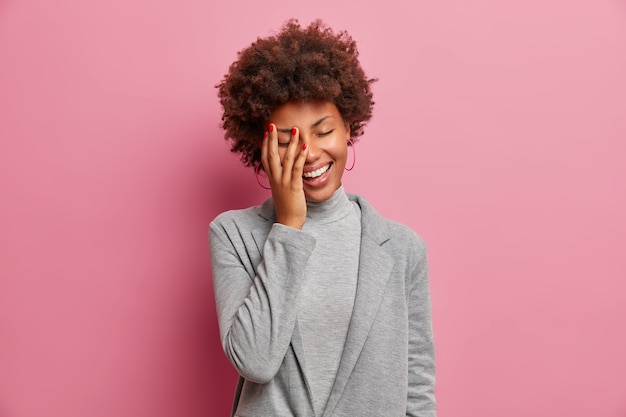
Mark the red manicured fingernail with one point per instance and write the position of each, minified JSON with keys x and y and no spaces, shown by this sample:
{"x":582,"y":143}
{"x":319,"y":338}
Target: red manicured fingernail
{"x":271,"y":128}
{"x":304,"y":146}
{"x":265,"y":135}
{"x":293,"y":131}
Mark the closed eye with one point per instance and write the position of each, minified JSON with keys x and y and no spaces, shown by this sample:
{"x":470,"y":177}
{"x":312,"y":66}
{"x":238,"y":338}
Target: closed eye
{"x":326,"y":133}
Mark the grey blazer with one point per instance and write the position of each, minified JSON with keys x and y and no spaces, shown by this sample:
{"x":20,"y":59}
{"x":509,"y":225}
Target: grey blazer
{"x":387,"y":367}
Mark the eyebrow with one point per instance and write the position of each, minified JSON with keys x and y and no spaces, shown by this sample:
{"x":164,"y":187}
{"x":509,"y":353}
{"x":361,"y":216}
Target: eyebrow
{"x":316,"y":124}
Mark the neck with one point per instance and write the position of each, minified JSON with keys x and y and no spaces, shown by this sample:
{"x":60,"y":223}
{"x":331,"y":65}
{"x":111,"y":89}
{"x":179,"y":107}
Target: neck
{"x":327,"y":211}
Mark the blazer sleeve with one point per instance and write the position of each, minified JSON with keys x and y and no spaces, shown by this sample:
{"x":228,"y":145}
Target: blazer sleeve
{"x":257,"y":311}
{"x":421,"y":390}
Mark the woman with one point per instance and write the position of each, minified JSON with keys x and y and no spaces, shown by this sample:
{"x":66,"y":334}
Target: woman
{"x":323,"y":305}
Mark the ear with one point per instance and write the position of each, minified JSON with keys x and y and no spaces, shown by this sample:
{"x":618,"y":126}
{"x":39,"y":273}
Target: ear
{"x":347,"y":132}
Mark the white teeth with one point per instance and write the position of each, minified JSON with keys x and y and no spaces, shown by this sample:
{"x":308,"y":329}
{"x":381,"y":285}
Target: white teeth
{"x":317,"y":172}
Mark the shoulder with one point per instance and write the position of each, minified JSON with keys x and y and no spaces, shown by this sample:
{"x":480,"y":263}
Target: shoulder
{"x":397,"y":237}
{"x":403,"y":233}
{"x":252,"y":214}
{"x":404,"y":240}
{"x":234,"y":221}
{"x":236,"y":216}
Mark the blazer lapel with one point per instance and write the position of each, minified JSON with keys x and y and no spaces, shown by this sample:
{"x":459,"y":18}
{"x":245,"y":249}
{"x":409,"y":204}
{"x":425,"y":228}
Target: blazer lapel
{"x":375,"y":267}
{"x":298,"y":350}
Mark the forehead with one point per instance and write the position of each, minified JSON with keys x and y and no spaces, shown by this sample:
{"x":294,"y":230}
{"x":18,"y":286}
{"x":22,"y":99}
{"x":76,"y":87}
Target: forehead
{"x":303,"y":113}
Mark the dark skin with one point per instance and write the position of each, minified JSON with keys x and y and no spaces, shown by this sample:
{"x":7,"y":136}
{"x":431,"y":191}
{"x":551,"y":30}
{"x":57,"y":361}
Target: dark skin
{"x":304,"y":155}
{"x":286,"y":177}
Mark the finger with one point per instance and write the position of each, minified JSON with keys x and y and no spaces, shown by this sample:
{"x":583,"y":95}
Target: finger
{"x":298,"y":166}
{"x":273,"y":157}
{"x":264,"y":161}
{"x":290,"y":155}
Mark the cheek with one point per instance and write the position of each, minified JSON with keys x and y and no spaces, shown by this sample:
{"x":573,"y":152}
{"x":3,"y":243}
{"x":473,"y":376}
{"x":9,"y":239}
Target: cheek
{"x":341,"y":150}
{"x":281,"y":153}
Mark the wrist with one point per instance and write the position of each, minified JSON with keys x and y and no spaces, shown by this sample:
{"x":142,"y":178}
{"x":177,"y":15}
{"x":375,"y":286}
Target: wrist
{"x":290,"y":222}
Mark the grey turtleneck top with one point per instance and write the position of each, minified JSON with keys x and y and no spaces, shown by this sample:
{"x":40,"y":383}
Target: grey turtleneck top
{"x":326,"y":299}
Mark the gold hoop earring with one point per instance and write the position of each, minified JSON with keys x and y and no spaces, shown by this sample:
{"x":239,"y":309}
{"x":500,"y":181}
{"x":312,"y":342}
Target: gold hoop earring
{"x":351,"y":145}
{"x":257,"y":168}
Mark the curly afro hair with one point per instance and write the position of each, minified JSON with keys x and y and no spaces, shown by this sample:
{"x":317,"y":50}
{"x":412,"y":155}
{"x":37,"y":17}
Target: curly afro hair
{"x":306,"y":64}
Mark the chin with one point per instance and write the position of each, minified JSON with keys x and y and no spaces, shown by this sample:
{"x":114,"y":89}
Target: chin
{"x":316,"y":200}
{"x":317,"y":196}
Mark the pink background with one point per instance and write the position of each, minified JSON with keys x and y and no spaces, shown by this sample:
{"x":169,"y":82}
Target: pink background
{"x":499,"y":136}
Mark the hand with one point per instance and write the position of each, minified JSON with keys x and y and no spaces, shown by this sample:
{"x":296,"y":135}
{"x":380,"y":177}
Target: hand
{"x":286,"y":177}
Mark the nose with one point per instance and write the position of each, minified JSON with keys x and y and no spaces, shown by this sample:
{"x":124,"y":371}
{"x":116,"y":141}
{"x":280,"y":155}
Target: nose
{"x":313,"y":151}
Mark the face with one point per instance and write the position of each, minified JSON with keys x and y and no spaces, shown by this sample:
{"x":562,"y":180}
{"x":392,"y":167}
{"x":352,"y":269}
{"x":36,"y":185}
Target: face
{"x":322,"y":128}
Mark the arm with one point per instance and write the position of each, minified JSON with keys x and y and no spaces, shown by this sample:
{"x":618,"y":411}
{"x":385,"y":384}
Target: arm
{"x":257,"y":314}
{"x":421,"y":390}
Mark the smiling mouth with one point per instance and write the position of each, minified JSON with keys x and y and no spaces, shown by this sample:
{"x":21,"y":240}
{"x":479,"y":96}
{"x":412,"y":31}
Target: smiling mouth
{"x":317,"y":172}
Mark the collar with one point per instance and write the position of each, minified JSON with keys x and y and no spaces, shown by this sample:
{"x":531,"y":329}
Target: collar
{"x":373,"y":225}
